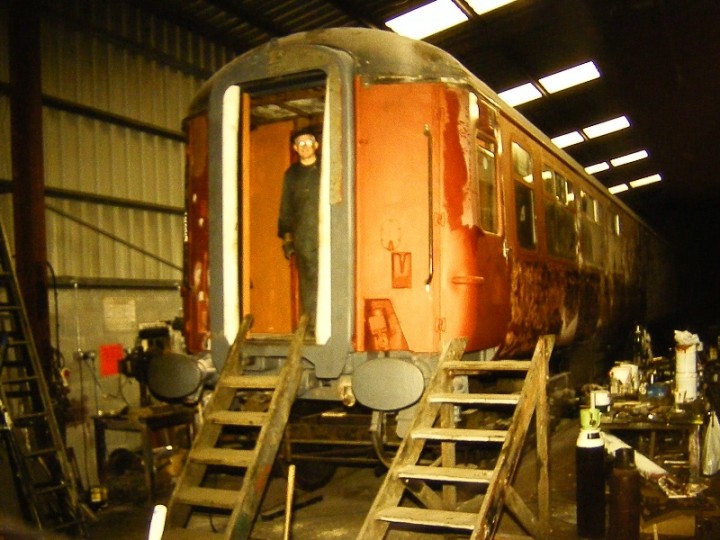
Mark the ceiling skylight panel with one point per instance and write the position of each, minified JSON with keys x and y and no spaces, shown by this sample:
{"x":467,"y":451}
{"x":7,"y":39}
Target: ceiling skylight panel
{"x":485,"y":6}
{"x":428,"y":19}
{"x":570,"y":77}
{"x":609,"y":126}
{"x":569,"y":139}
{"x":645,"y":181}
{"x":629,"y":158}
{"x":598,"y":167}
{"x":618,"y":189}
{"x":520,"y":94}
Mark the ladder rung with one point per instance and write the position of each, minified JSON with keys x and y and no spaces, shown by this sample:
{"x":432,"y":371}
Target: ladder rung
{"x":49,"y":489}
{"x":460,"y":435}
{"x":208,"y":497}
{"x":16,"y":343}
{"x":222,"y":456}
{"x":431,"y":518}
{"x":67,"y":525}
{"x":41,"y":452}
{"x":9,"y":307}
{"x":241,"y":381}
{"x":27,"y":419}
{"x":475,"y":399}
{"x":238,"y":418}
{"x":473,"y":366}
{"x":446,"y":474}
{"x":20,"y":393}
{"x":20,"y":380}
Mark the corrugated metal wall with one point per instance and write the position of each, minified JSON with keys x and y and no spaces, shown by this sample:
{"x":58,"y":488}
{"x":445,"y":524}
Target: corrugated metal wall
{"x":116,"y":83}
{"x":109,"y":57}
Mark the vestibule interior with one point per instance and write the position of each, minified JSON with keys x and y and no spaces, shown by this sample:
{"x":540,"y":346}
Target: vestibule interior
{"x":269,"y":281}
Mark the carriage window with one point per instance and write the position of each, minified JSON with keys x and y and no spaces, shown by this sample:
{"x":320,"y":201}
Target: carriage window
{"x":560,"y":228}
{"x":486,"y":186}
{"x":524,"y":197}
{"x":592,"y":237}
{"x":522,"y":162}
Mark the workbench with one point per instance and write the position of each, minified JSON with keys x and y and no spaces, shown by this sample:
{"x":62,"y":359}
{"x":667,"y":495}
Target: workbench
{"x":640,"y":416}
{"x":157,"y":426}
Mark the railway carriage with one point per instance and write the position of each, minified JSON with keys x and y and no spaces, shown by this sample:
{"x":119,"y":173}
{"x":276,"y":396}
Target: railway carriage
{"x":443,"y":213}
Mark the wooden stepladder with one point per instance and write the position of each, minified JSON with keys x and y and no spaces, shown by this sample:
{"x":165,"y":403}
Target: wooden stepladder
{"x":43,"y":474}
{"x":219,"y":491}
{"x":437,"y":463}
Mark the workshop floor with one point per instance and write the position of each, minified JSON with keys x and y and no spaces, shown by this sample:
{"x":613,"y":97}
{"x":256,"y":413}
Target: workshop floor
{"x":337,"y":511}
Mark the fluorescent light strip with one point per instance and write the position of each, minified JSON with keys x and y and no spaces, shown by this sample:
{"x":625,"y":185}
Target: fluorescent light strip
{"x":618,"y":189}
{"x":609,"y":126}
{"x":629,"y":158}
{"x":598,"y":167}
{"x":569,"y":139}
{"x":485,"y":6}
{"x":645,"y":181}
{"x":428,"y":19}
{"x":570,"y":77}
{"x":520,"y":94}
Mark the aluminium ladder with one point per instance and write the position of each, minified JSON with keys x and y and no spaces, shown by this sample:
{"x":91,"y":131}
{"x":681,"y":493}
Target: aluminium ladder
{"x":43,"y":475}
{"x":234,"y":442}
{"x":449,"y":491}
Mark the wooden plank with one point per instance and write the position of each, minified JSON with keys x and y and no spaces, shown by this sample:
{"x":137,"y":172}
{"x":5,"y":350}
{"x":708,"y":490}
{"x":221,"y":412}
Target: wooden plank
{"x":226,"y":457}
{"x":259,"y":382}
{"x":475,"y":399}
{"x":208,"y":497}
{"x":520,"y":510}
{"x":445,"y":519}
{"x":237,"y":418}
{"x":460,"y":435}
{"x":542,"y":426}
{"x":446,"y":474}
{"x":476,"y":366}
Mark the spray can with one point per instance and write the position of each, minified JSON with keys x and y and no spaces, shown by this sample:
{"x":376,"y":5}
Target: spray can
{"x":625,"y":497}
{"x":590,"y":476}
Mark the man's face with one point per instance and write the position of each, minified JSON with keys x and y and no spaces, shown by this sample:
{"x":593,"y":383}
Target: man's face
{"x":305,"y":146}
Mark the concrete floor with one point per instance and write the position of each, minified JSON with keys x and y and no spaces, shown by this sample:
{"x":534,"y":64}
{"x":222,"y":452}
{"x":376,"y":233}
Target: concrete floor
{"x":341,"y":506}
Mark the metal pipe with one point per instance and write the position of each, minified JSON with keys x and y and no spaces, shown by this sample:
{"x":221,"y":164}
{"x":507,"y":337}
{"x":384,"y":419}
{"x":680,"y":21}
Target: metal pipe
{"x":428,"y":135}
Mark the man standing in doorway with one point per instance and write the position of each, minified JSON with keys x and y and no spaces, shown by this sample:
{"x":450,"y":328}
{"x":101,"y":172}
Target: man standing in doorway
{"x":298,"y":220}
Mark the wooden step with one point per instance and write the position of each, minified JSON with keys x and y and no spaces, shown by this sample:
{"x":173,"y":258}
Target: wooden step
{"x":446,"y":474}
{"x":475,"y":399}
{"x":473,"y":366}
{"x":208,"y":497}
{"x":430,"y":518}
{"x":237,"y":418}
{"x":460,"y":435}
{"x":222,"y":456}
{"x":261,"y":382}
